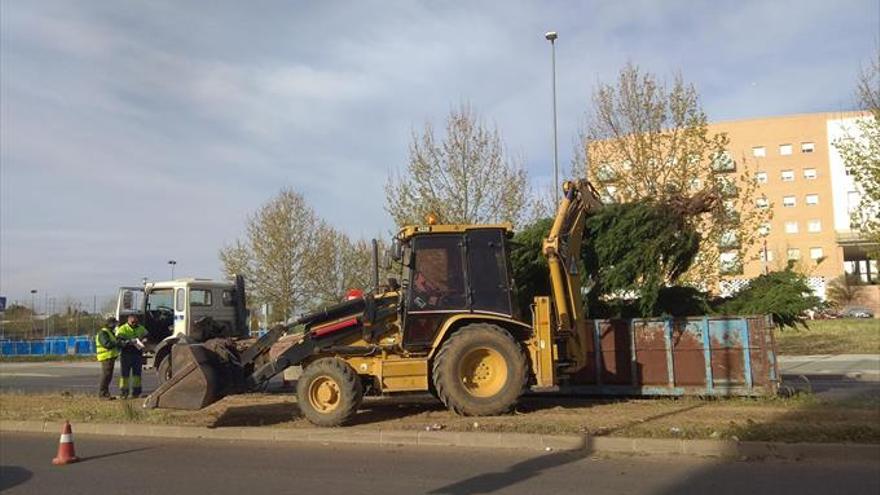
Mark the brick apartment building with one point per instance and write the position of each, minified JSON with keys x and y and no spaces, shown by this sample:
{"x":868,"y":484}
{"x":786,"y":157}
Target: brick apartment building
{"x":803,"y":181}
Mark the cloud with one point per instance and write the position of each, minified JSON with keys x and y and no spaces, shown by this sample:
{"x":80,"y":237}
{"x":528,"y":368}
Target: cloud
{"x":135,"y":132}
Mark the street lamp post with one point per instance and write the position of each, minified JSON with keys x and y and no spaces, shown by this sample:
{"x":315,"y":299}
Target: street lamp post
{"x":172,"y":263}
{"x":551,"y":36}
{"x":33,"y":311}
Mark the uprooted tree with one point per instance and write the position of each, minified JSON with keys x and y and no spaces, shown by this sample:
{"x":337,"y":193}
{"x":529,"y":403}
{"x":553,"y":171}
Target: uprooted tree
{"x":646,"y":141}
{"x":631,"y":252}
{"x":465,"y":176}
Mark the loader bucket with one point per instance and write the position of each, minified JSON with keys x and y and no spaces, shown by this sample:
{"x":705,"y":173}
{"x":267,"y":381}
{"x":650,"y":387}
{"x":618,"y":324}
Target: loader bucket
{"x":194,"y":381}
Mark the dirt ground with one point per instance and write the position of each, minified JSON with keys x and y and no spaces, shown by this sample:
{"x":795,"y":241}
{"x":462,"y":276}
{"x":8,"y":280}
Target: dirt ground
{"x":798,"y":419}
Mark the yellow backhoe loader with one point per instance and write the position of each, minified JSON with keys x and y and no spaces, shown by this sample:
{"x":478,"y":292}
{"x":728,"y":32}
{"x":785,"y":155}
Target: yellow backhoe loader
{"x":450,"y":327}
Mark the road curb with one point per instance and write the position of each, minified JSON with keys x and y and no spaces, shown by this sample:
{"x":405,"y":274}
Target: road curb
{"x":519,"y":441}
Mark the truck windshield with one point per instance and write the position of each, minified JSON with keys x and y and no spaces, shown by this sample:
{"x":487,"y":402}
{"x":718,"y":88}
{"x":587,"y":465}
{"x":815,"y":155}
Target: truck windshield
{"x":161,"y":298}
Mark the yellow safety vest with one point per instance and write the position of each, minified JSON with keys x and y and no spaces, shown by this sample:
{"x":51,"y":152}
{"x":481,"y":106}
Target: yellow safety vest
{"x":107,"y":349}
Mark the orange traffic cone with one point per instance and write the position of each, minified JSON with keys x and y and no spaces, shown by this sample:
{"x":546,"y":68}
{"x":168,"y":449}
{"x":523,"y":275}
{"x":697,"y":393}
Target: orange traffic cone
{"x":66,"y":453}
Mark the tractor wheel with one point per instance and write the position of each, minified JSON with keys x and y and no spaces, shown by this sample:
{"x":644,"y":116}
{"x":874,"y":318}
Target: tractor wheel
{"x":163,"y":371}
{"x":329,"y":392}
{"x":480,"y":371}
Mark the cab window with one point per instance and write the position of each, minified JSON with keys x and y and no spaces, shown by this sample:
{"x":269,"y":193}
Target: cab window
{"x":438,"y":274}
{"x":200,"y":297}
{"x":226,"y":298}
{"x":180,"y":300}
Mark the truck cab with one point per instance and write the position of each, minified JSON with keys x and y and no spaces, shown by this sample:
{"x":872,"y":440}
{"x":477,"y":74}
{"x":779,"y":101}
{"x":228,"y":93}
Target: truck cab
{"x":184,"y":310}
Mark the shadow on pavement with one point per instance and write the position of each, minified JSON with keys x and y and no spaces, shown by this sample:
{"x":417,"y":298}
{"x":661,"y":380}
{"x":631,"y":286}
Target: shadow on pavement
{"x":113,"y":454}
{"x":12,"y":476}
{"x":497,"y":482}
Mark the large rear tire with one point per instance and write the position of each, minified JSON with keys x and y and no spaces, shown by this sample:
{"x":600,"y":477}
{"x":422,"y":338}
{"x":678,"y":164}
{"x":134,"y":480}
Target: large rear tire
{"x":329,"y":392}
{"x":480,"y":371}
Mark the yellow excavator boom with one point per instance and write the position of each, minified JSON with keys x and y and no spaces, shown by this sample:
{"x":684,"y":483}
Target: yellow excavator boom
{"x":562,"y":249}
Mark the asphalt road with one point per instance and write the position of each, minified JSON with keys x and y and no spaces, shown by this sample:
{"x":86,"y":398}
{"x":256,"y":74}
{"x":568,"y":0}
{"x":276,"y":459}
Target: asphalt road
{"x":77,"y":376}
{"x":133,"y":466}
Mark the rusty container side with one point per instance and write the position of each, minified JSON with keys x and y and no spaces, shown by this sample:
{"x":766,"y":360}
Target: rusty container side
{"x":726,"y":346}
{"x":688,"y":353}
{"x":717,"y":356}
{"x":762,"y":354}
{"x":615,"y":344}
{"x":652,"y":354}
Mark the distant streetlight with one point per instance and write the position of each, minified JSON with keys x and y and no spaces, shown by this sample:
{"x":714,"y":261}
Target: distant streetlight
{"x":33,"y":311}
{"x":172,"y":263}
{"x":551,"y":36}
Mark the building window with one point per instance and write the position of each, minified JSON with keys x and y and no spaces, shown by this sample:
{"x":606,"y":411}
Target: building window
{"x":762,"y":203}
{"x":809,"y":173}
{"x":816,"y":253}
{"x":729,"y":263}
{"x":788,"y":176}
{"x":764,"y":229}
{"x":789,"y":201}
{"x":766,"y":255}
{"x":759,"y":151}
{"x":606,"y":174}
{"x":807,"y":147}
{"x":791,"y":227}
{"x":761,"y":177}
{"x":784,"y":149}
{"x":728,"y":240}
{"x":812,"y":199}
{"x":794,"y":254}
{"x":722,"y":162}
{"x":814,"y":226}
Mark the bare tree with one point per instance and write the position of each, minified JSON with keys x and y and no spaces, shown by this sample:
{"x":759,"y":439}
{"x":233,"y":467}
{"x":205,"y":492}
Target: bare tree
{"x":343,"y":264}
{"x":860,"y":151}
{"x":278,"y":254}
{"x":647,"y":140}
{"x":464,"y":177}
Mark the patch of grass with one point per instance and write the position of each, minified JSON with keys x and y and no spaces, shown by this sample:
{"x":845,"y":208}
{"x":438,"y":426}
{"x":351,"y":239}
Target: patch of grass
{"x":797,"y":419}
{"x":846,"y":336}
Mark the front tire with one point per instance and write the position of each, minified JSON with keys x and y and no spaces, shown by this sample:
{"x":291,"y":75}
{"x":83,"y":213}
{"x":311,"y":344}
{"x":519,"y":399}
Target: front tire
{"x":329,"y":392}
{"x":480,"y":371}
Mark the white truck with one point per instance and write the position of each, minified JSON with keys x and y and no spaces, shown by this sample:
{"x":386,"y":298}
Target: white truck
{"x":189,"y":310}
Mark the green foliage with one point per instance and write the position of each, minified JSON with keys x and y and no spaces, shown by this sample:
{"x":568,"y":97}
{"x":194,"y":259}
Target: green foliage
{"x":637,"y":248}
{"x":629,"y":249}
{"x":529,"y":267}
{"x":676,"y":300}
{"x":784,"y":295}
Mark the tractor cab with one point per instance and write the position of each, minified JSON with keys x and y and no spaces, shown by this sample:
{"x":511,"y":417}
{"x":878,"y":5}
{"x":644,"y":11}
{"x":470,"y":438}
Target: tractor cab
{"x":450,"y":270}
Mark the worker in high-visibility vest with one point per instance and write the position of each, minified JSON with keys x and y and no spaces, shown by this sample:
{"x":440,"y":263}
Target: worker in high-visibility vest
{"x":131,"y":336}
{"x":107,"y":349}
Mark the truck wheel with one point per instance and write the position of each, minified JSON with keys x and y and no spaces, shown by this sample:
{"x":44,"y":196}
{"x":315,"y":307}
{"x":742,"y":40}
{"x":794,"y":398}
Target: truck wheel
{"x":480,"y":371}
{"x":163,"y":371}
{"x":329,"y":392}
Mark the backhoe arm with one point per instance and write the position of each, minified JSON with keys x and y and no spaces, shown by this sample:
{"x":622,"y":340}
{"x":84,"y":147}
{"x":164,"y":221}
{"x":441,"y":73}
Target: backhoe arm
{"x":562,"y":249}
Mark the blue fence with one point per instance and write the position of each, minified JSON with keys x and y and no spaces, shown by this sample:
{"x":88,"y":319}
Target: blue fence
{"x":82,"y":344}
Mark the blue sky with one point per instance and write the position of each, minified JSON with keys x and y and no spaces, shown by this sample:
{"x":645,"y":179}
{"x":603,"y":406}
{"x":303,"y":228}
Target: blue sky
{"x":136,"y":132}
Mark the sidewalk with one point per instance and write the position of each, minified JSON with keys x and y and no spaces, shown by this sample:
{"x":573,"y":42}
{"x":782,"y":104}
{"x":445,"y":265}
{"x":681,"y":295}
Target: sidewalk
{"x":856,"y":366}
